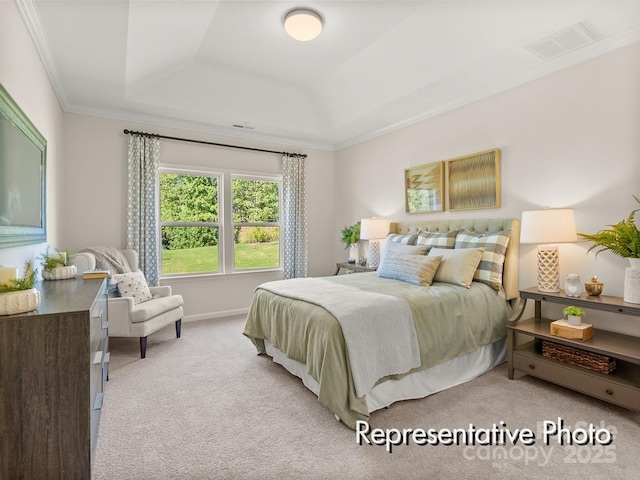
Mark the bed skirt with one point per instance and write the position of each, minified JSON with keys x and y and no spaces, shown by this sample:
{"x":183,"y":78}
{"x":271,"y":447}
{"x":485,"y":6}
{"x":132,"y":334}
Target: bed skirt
{"x":416,"y":385}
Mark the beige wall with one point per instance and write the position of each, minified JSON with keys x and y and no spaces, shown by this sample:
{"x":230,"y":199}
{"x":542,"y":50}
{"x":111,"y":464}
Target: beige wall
{"x":96,"y":159}
{"x":568,"y":139}
{"x":22,"y":74}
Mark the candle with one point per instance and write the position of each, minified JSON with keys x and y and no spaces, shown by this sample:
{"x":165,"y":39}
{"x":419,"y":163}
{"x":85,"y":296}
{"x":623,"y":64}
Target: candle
{"x":8,"y":273}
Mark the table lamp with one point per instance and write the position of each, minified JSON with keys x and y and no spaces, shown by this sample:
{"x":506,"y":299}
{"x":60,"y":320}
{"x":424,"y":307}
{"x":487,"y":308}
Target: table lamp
{"x":374,"y":230}
{"x":546,"y":228}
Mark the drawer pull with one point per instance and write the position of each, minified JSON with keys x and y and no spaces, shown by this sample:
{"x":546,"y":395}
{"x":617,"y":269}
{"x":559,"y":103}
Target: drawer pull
{"x":532,"y":366}
{"x":97,"y":358}
{"x":609,"y":391}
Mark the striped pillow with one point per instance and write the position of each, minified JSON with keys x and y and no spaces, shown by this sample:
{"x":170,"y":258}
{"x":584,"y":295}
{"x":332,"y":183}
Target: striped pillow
{"x":416,"y":269}
{"x":440,"y":239}
{"x":495,"y":248}
{"x":408,"y":239}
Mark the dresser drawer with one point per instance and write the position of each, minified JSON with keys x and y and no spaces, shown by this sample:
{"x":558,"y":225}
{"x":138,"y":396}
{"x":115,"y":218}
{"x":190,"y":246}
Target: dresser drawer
{"x":605,"y":387}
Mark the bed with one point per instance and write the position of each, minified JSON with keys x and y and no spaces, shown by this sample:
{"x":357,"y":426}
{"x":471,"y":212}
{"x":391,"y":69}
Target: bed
{"x":455,"y":332}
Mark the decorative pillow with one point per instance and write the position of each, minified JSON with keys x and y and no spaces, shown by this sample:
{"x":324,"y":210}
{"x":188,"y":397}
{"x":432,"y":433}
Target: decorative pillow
{"x":495,"y":248}
{"x":416,"y":269}
{"x":408,"y":239}
{"x":457,"y":266}
{"x":133,"y":285}
{"x":437,"y":239}
{"x":401,"y":249}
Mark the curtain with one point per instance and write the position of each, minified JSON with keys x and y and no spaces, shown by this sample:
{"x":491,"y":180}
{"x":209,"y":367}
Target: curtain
{"x":143,"y":202}
{"x":294,"y":216}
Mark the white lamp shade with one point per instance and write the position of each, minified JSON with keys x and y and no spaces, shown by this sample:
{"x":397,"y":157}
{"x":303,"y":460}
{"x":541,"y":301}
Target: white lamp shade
{"x":551,"y":225}
{"x":303,"y":24}
{"x":374,"y":228}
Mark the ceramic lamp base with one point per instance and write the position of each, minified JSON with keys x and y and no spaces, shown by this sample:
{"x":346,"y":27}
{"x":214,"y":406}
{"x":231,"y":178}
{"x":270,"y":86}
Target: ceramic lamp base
{"x":374,"y":253}
{"x":548,"y":269}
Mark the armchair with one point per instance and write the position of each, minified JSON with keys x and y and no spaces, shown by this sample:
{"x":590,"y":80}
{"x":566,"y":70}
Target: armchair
{"x":128,"y":319}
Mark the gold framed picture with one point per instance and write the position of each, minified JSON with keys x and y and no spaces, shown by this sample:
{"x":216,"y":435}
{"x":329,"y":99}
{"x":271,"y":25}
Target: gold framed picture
{"x":424,"y":188}
{"x":473,"y":181}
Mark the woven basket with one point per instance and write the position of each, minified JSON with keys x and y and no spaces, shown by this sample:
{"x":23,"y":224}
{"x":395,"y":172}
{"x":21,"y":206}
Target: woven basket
{"x":580,"y":358}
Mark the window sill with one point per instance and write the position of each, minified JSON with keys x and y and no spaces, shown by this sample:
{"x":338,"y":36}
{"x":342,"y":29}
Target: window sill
{"x":219,"y":275}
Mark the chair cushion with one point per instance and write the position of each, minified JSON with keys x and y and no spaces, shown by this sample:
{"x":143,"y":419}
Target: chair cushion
{"x":133,"y":285}
{"x":154,"y":307}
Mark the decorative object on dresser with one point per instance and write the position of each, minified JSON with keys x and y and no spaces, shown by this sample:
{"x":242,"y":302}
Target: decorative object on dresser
{"x":57,"y":266}
{"x":546,"y":228}
{"x":375,"y":230}
{"x":17,"y":294}
{"x":594,"y":287}
{"x":593,"y":357}
{"x":574,"y":314}
{"x":54,"y":367}
{"x":140,"y":310}
{"x":573,"y":285}
{"x":622,"y":239}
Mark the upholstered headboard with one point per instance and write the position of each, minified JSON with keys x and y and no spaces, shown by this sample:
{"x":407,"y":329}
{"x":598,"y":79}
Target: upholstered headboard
{"x":478,"y":225}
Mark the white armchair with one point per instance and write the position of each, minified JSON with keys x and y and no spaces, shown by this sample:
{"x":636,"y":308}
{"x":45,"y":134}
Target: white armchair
{"x":128,"y":319}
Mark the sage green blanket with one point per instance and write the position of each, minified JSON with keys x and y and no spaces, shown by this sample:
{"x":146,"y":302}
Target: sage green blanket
{"x":449,"y":320}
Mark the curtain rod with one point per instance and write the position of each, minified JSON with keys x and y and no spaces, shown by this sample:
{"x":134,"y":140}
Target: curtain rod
{"x":145,"y":134}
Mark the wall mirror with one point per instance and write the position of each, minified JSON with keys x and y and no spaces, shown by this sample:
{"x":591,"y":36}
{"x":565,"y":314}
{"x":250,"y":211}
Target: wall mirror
{"x":23,"y":152}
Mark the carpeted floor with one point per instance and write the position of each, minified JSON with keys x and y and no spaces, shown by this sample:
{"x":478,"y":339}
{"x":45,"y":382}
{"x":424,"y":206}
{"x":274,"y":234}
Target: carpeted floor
{"x":205,"y":406}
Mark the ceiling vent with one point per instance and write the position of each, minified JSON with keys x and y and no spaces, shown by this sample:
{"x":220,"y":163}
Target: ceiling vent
{"x":562,"y":42}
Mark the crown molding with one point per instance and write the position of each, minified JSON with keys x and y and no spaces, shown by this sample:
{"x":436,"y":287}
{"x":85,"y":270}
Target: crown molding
{"x":41,"y":42}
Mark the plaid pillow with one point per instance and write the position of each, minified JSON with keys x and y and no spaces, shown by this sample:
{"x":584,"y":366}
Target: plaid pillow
{"x":440,"y":240}
{"x":408,"y":239}
{"x":495,"y":247}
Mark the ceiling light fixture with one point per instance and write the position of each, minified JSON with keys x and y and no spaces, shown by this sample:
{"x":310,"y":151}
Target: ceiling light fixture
{"x":303,"y":24}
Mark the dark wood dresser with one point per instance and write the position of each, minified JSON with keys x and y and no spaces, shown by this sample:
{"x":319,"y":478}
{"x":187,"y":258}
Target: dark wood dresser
{"x":53,"y":365}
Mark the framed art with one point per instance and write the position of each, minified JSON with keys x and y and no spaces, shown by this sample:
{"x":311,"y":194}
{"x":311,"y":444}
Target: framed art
{"x":473,"y":181}
{"x":424,"y":188}
{"x":22,"y":177}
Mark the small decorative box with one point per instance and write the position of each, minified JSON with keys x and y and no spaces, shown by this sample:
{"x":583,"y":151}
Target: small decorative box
{"x":562,"y":328}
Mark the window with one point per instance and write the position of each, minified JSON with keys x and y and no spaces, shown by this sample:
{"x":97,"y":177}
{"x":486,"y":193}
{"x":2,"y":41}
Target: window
{"x":197,"y":223}
{"x":189,"y":223}
{"x":256,"y":229}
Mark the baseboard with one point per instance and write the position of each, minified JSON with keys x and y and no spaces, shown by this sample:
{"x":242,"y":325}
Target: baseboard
{"x":209,"y":316}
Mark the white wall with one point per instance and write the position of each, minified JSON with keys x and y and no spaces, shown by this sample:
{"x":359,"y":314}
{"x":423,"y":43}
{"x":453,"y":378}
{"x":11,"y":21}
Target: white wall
{"x":22,"y":74}
{"x":568,"y":139}
{"x":96,"y":159}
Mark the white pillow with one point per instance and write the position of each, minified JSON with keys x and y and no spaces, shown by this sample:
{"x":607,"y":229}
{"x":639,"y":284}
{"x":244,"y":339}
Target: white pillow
{"x":133,"y":285}
{"x":457,"y":266}
{"x":416,"y":269}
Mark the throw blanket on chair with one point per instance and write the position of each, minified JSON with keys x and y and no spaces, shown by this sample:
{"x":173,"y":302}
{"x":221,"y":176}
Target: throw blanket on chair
{"x":109,"y":258}
{"x":378,"y":329}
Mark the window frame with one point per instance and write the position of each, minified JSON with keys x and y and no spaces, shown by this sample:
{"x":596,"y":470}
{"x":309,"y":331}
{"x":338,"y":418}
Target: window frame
{"x":277,"y":179}
{"x":225,"y":224}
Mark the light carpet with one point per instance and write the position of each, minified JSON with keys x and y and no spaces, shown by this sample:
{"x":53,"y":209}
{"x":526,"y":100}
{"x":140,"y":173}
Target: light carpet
{"x":205,"y":406}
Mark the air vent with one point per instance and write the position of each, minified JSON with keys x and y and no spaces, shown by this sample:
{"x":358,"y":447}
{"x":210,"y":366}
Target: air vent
{"x":562,"y":42}
{"x":244,"y":125}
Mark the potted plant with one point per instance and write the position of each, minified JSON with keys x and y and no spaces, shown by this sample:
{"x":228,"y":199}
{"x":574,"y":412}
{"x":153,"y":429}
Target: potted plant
{"x":622,"y":238}
{"x":57,"y":266}
{"x":350,"y":237}
{"x":18,"y":295}
{"x":574,"y":315}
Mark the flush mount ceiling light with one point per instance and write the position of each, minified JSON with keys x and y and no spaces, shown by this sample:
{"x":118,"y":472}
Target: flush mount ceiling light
{"x":303,"y":24}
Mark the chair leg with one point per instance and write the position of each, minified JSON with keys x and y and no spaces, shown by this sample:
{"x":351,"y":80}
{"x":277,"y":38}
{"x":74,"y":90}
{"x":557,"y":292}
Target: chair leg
{"x":178,"y":328}
{"x":143,"y":347}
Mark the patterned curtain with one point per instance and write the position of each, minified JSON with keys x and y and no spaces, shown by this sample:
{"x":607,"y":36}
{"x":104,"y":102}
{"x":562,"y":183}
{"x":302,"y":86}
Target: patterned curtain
{"x":143,"y":201}
{"x":294,"y":216}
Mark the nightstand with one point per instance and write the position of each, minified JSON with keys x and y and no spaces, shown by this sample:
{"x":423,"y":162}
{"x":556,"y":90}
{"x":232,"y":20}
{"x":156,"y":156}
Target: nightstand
{"x":354,"y":267}
{"x":525,"y":341}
